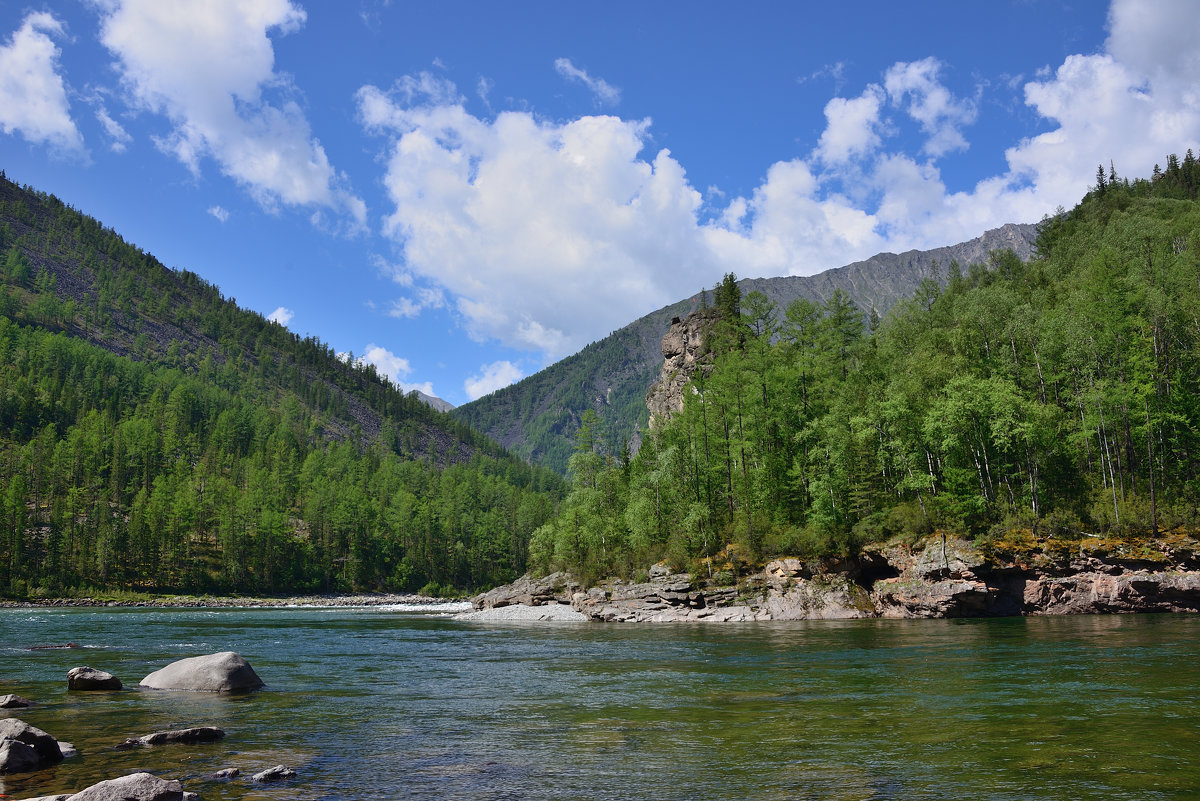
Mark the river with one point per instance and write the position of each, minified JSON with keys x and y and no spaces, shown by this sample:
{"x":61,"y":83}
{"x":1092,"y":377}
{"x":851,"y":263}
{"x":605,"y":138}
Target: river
{"x":395,"y":704}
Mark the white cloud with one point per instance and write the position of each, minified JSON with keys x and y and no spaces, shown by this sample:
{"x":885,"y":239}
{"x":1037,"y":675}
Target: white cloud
{"x":208,"y":65}
{"x":219,"y":212}
{"x":411,"y":307}
{"x":852,"y":126}
{"x":282,"y":315}
{"x":546,"y":235}
{"x":116,"y":132}
{"x":492,"y":377}
{"x":394,"y":368}
{"x":33,"y":97}
{"x":931,"y":104}
{"x":605,"y":93}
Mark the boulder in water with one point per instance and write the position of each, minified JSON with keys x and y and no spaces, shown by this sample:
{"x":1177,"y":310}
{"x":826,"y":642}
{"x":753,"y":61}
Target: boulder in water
{"x":11,"y":701}
{"x":18,"y":757}
{"x":226,"y":672}
{"x":134,"y":787}
{"x":46,"y":746}
{"x":86,"y":678}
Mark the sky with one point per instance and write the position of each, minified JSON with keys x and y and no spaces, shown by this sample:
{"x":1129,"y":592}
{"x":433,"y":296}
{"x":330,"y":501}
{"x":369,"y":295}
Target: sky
{"x":462,"y":193}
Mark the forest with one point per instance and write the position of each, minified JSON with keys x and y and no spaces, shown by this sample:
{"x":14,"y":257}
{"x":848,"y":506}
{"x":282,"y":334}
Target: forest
{"x":155,"y":437}
{"x":1058,"y":397}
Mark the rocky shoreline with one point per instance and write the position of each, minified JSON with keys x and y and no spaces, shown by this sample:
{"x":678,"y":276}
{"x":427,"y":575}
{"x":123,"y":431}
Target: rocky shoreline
{"x":225,"y":602}
{"x":939,"y":578}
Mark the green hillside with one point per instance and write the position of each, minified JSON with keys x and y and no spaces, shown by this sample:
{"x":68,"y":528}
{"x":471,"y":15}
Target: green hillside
{"x":155,"y":436}
{"x":1024,"y":402}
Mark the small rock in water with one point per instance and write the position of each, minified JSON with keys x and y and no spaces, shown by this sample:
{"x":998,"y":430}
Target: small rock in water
{"x":52,"y":647}
{"x":227,"y":773}
{"x":86,"y":678}
{"x":11,"y":701}
{"x":67,"y":749}
{"x":197,"y":734}
{"x":274,"y":774}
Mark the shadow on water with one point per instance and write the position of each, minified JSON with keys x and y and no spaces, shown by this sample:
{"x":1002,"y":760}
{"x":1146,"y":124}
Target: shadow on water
{"x":376,"y":704}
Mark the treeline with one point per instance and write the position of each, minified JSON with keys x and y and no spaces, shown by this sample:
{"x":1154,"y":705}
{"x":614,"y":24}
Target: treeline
{"x":1060,"y":395}
{"x":154,"y":436}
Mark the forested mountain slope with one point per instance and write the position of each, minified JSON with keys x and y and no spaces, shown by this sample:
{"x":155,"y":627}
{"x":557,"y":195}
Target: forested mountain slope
{"x":154,"y":435}
{"x":538,"y":416}
{"x":1029,"y":405}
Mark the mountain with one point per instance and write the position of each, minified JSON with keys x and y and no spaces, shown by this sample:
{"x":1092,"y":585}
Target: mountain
{"x":537,"y":417}
{"x":154,"y":435}
{"x":433,"y":401}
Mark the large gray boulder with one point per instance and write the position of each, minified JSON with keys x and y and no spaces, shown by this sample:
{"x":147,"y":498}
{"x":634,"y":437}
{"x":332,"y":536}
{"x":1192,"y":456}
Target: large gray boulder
{"x":11,"y":701}
{"x":86,"y":678}
{"x":134,"y":787}
{"x":46,"y":746}
{"x":226,"y":672}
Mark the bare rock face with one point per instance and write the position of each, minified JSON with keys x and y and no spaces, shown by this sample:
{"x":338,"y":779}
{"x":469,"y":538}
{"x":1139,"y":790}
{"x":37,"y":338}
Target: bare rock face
{"x":683,"y":349}
{"x":86,"y":678}
{"x":134,"y":787}
{"x":226,"y":672}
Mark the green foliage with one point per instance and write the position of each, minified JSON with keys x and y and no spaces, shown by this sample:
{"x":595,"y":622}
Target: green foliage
{"x":153,"y":436}
{"x":1060,"y":395}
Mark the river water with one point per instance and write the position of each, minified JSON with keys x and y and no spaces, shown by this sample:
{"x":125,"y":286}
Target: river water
{"x":388,"y":704}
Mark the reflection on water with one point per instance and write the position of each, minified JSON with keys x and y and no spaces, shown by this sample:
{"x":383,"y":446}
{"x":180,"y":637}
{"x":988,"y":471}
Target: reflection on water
{"x":384,"y":704}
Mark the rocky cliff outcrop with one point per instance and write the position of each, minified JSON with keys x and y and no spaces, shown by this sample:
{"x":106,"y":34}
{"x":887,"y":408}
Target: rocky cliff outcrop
{"x":941,"y":578}
{"x":684,"y":353}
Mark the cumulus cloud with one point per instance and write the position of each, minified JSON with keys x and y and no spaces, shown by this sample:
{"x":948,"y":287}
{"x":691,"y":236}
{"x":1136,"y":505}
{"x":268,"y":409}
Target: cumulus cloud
{"x":930,"y":103}
{"x":605,"y":93}
{"x":33,"y":96}
{"x":282,"y":315}
{"x":548,"y":234}
{"x":220,"y":213}
{"x":492,"y":377}
{"x":851,"y":126}
{"x":394,"y":368}
{"x":208,"y":65}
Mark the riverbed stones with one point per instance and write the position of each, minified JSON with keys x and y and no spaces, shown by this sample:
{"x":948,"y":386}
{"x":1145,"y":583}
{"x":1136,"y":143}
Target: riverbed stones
{"x":135,"y":787}
{"x":11,"y":701}
{"x":225,"y":672}
{"x":87,"y":678}
{"x":227,"y":773}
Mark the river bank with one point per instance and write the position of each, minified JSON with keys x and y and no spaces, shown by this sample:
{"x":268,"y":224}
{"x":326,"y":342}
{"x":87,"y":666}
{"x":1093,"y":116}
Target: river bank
{"x":939,"y":577}
{"x":227,"y":602}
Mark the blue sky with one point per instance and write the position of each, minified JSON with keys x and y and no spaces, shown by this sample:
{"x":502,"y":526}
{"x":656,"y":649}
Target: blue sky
{"x":464,"y":192}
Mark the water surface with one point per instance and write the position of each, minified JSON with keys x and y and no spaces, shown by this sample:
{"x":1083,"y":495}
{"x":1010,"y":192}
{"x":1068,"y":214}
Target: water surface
{"x":388,"y":704}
